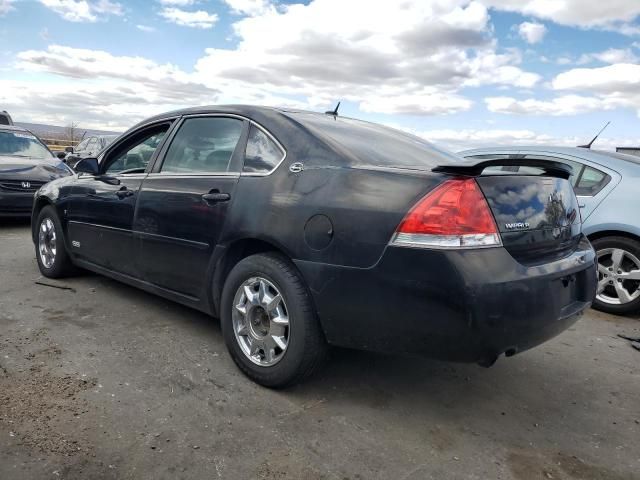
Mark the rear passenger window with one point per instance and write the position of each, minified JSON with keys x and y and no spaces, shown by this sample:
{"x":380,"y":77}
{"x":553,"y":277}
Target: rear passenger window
{"x":591,"y":182}
{"x":262,"y":154}
{"x":203,"y":145}
{"x":577,"y":167}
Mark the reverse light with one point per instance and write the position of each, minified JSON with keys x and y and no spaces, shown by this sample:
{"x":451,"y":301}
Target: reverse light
{"x":453,"y":215}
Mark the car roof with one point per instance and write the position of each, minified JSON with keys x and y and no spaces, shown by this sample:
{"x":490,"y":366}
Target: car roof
{"x":242,"y":110}
{"x":601,"y":157}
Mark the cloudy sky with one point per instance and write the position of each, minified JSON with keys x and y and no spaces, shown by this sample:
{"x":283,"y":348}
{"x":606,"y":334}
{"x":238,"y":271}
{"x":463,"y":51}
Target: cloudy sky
{"x":461,"y":73}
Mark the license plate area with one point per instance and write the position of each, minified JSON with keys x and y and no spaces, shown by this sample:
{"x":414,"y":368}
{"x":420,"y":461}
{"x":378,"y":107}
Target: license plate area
{"x":567,"y":289}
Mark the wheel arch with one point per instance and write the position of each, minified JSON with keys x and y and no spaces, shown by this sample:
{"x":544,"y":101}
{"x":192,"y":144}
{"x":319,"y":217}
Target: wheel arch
{"x":612,"y":233}
{"x":232,"y":254}
{"x":38,"y":205}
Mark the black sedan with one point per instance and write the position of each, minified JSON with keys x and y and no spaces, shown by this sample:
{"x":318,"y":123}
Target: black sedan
{"x":25,"y":165}
{"x":301,"y":230}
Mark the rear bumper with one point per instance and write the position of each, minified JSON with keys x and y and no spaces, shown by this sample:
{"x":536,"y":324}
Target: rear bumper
{"x":16,"y":204}
{"x":468,"y":306}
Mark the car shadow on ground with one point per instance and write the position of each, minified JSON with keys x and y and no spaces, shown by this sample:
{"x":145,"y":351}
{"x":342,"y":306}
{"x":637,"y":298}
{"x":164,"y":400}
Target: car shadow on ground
{"x":379,"y":381}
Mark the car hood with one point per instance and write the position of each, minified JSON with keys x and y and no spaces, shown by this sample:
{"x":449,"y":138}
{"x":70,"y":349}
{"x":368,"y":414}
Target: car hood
{"x":32,"y":168}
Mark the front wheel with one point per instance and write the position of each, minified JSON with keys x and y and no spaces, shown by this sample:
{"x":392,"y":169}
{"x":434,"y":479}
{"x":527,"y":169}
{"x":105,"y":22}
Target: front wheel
{"x":268,"y":322}
{"x":51,"y":254}
{"x":618,"y":275}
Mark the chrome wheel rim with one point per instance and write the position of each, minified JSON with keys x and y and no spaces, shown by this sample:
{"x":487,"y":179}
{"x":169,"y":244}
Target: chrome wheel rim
{"x":260,"y":321}
{"x":47,"y":242}
{"x":618,"y":276}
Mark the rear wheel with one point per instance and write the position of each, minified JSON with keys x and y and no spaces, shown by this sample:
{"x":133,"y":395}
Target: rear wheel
{"x":52,"y":256}
{"x":618,"y":275}
{"x":268,"y":322}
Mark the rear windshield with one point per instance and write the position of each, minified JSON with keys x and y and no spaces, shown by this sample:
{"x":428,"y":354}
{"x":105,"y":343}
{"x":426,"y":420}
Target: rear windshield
{"x":22,"y":144}
{"x":376,"y":145}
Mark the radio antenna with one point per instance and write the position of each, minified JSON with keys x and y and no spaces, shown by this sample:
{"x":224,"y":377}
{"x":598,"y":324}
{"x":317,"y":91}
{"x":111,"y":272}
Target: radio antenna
{"x":333,"y":112}
{"x":588,"y":145}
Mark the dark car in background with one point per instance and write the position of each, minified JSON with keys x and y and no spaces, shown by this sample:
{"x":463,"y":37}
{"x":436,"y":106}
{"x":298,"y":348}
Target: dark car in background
{"x":88,"y":147}
{"x":26,"y":164}
{"x":5,"y":118}
{"x":302,"y":230}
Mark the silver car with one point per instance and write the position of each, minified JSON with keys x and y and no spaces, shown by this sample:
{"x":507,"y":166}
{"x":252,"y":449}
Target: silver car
{"x":89,"y":147}
{"x":607,"y":185}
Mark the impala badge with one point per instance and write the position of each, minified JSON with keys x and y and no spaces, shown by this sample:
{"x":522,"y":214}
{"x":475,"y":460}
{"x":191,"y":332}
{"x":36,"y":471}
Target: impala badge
{"x":517,"y":226}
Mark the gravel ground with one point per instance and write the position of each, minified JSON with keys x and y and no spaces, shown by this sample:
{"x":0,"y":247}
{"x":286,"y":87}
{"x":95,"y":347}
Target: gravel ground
{"x":104,"y":381}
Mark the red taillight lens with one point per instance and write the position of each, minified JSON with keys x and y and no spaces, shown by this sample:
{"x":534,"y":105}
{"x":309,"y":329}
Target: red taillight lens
{"x":455,"y":214}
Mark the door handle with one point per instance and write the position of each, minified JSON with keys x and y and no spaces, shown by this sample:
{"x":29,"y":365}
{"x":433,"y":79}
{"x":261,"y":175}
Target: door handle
{"x":215,"y":197}
{"x":124,"y":192}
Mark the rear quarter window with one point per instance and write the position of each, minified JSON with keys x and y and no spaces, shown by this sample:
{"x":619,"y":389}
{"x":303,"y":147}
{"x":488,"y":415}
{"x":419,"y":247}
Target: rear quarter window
{"x":262,"y":154}
{"x":591,"y":182}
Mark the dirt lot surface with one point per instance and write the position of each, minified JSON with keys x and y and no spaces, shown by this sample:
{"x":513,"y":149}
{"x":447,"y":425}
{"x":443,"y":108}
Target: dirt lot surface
{"x":104,"y":381}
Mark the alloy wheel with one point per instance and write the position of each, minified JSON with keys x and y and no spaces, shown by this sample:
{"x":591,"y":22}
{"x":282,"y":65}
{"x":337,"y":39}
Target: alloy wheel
{"x":618,"y":276}
{"x":260,"y":321}
{"x":47,"y":242}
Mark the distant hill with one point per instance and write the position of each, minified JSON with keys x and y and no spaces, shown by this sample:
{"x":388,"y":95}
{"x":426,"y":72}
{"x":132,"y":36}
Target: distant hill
{"x":52,"y":131}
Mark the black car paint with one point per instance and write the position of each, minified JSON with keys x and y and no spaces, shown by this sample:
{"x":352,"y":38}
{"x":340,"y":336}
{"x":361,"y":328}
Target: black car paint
{"x":21,"y":177}
{"x":334,"y":220}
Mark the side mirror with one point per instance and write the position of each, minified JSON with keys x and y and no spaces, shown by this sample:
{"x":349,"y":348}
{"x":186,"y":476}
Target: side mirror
{"x":61,"y":155}
{"x":87,"y":165}
{"x":68,"y":149}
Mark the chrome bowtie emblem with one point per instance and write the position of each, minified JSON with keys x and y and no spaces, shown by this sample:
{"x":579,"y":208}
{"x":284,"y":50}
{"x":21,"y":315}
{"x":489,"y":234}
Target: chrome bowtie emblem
{"x":26,"y":185}
{"x":516,"y":226}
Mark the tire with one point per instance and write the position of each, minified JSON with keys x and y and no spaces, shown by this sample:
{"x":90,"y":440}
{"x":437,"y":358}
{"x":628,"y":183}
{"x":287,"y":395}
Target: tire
{"x":60,"y":264}
{"x":610,"y":298}
{"x":267,"y":275}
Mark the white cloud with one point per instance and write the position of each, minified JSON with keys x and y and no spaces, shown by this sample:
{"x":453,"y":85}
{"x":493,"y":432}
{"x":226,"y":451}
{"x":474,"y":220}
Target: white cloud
{"x":617,"y":78}
{"x":113,"y":91}
{"x":457,"y":140}
{"x":559,"y":106}
{"x":145,"y":28}
{"x":249,"y":7}
{"x":473,"y":138}
{"x":615,"y":15}
{"x":532,"y":32}
{"x":83,"y":10}
{"x":6,"y":7}
{"x":601,"y":89}
{"x":610,"y":56}
{"x":421,"y":103}
{"x":412,"y":57}
{"x":108,"y":7}
{"x":180,"y":3}
{"x":197,"y":19}
{"x":419,"y":57}
{"x":84,"y":63}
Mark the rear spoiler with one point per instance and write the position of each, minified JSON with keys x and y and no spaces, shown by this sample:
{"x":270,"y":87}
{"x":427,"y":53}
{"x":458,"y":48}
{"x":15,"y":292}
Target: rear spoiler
{"x":470,"y":167}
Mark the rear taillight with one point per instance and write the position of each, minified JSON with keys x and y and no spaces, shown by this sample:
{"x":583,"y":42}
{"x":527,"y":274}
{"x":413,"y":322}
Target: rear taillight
{"x":453,"y":215}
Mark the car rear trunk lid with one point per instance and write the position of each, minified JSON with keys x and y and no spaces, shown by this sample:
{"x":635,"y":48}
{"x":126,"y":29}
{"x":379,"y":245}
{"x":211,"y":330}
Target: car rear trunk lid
{"x":537,"y":215}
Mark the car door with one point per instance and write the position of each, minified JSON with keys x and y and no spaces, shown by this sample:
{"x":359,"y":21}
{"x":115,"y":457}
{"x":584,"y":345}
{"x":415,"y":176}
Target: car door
{"x":591,"y":182}
{"x":184,"y":201}
{"x":101,"y":209}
